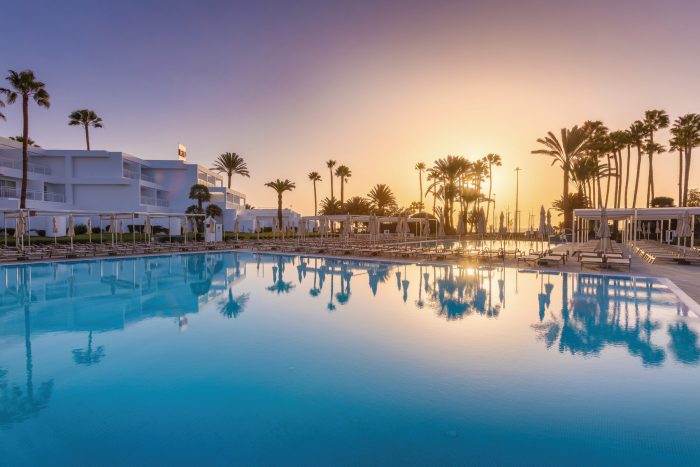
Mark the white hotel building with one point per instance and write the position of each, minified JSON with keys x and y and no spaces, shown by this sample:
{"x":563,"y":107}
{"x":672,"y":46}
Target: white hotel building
{"x":107,"y":181}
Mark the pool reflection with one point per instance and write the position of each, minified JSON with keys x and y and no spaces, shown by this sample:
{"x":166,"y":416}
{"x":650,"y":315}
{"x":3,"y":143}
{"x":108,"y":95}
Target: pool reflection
{"x":575,"y":314}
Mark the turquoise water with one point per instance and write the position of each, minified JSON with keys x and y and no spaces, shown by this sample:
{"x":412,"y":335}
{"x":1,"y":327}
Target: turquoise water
{"x":256,"y":359}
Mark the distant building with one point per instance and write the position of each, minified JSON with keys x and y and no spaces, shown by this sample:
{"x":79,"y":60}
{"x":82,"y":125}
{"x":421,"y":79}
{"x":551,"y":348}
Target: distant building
{"x":108,"y":181}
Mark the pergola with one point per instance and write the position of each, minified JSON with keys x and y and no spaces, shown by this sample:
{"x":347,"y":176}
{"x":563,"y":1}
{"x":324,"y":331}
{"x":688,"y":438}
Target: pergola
{"x":367,"y":219}
{"x":632,"y":219}
{"x":135,"y":218}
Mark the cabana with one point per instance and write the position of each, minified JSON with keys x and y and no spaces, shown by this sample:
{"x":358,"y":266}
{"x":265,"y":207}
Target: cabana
{"x":373,"y":229}
{"x":636,"y":222}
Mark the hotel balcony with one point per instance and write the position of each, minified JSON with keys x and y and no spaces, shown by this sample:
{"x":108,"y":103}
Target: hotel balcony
{"x":32,"y":167}
{"x":35,"y":195}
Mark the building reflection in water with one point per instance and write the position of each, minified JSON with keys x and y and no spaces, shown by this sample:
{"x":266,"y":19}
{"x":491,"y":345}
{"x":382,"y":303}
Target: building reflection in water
{"x":576,"y":313}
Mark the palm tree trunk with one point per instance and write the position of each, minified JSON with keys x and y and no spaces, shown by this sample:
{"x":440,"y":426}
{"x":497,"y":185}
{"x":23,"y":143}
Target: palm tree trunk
{"x":87,"y":136}
{"x":25,"y":155}
{"x":420,"y":185}
{"x":688,"y":158}
{"x":680,"y":177}
{"x":331,"y":172}
{"x":607,"y":185}
{"x":627,"y":173}
{"x":488,"y":203}
{"x":315,"y":202}
{"x":636,"y":180}
{"x":650,"y":180}
{"x":229,"y":179}
{"x":279,"y":210}
{"x":342,"y":190}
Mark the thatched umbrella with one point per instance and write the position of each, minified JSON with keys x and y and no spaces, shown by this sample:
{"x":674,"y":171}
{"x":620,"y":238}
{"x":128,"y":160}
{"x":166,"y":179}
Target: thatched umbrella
{"x":236,"y":227}
{"x":112,"y":226}
{"x":71,"y":229}
{"x":460,"y":225}
{"x":147,"y":226}
{"x":604,"y":230}
{"x":543,"y":223}
{"x":54,"y":228}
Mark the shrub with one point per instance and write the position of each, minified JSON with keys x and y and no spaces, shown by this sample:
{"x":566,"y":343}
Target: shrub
{"x":80,"y":229}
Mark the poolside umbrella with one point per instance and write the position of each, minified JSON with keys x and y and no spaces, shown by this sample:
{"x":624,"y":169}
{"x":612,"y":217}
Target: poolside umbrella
{"x":543,"y":223}
{"x":89,"y":229}
{"x":460,"y":224}
{"x":54,"y":228}
{"x":684,"y":226}
{"x":658,"y":229}
{"x":502,"y":226}
{"x":441,"y":227}
{"x":236,"y":227}
{"x":71,"y":229}
{"x":604,"y":230}
{"x":112,"y":226}
{"x":194,"y":227}
{"x":347,"y":226}
{"x":481,"y":225}
{"x":20,"y":228}
{"x":550,"y":229}
{"x":147,"y":226}
{"x":426,"y":230}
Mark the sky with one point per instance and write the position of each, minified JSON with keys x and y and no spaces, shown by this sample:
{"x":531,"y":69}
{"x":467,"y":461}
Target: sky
{"x":376,"y":85}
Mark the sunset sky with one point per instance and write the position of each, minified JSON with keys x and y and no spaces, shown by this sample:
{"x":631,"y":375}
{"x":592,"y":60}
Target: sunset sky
{"x":376,"y":85}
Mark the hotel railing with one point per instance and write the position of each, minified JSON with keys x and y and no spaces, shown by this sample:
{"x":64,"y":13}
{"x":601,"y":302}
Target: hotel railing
{"x":33,"y":194}
{"x":15,"y":164}
{"x":162,"y":202}
{"x":148,"y":200}
{"x":129,"y":173}
{"x":148,"y":178}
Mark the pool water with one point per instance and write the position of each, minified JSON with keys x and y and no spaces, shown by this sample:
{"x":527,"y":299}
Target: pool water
{"x":235,"y":358}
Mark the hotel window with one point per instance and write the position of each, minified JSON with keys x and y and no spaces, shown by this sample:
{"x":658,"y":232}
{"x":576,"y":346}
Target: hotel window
{"x":8,"y":188}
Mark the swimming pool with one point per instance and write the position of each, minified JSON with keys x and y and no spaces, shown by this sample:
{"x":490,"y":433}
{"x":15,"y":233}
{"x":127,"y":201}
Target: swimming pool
{"x":269,"y":359}
{"x":486,"y":244}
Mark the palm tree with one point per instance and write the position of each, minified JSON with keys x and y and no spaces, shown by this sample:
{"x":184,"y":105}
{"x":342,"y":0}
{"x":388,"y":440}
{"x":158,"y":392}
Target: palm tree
{"x":201,"y":194}
{"x":492,"y":160}
{"x":382,"y":199}
{"x":571,"y":145}
{"x":677,"y":144}
{"x":20,"y":139}
{"x":24,"y":84}
{"x":231,"y":164}
{"x":686,"y":131}
{"x":652,"y":148}
{"x":85,"y":118}
{"x":315,"y":177}
{"x":330,"y":163}
{"x":357,"y":205}
{"x":654,"y":120}
{"x":420,"y":167}
{"x":343,"y":172}
{"x":636,"y":133}
{"x":330,"y":206}
{"x":280,"y":186}
{"x":2,"y":115}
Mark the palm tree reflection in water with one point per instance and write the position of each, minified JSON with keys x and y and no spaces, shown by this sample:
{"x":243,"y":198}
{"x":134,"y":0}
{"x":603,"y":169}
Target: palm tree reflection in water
{"x":609,"y":311}
{"x":18,"y":403}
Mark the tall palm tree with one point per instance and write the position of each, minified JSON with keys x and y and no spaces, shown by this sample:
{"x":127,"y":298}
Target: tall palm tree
{"x":636,"y":133}
{"x":330,"y":163}
{"x":315,"y":177}
{"x":382,"y":199}
{"x":280,"y":186}
{"x":652,"y":148}
{"x":85,"y":118}
{"x":231,"y":164}
{"x":343,"y":173}
{"x":654,"y":120}
{"x":687,"y":130}
{"x":564,"y":150}
{"x":677,"y":144}
{"x":25,"y":85}
{"x":492,"y":160}
{"x":2,"y":115}
{"x":420,"y":167}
